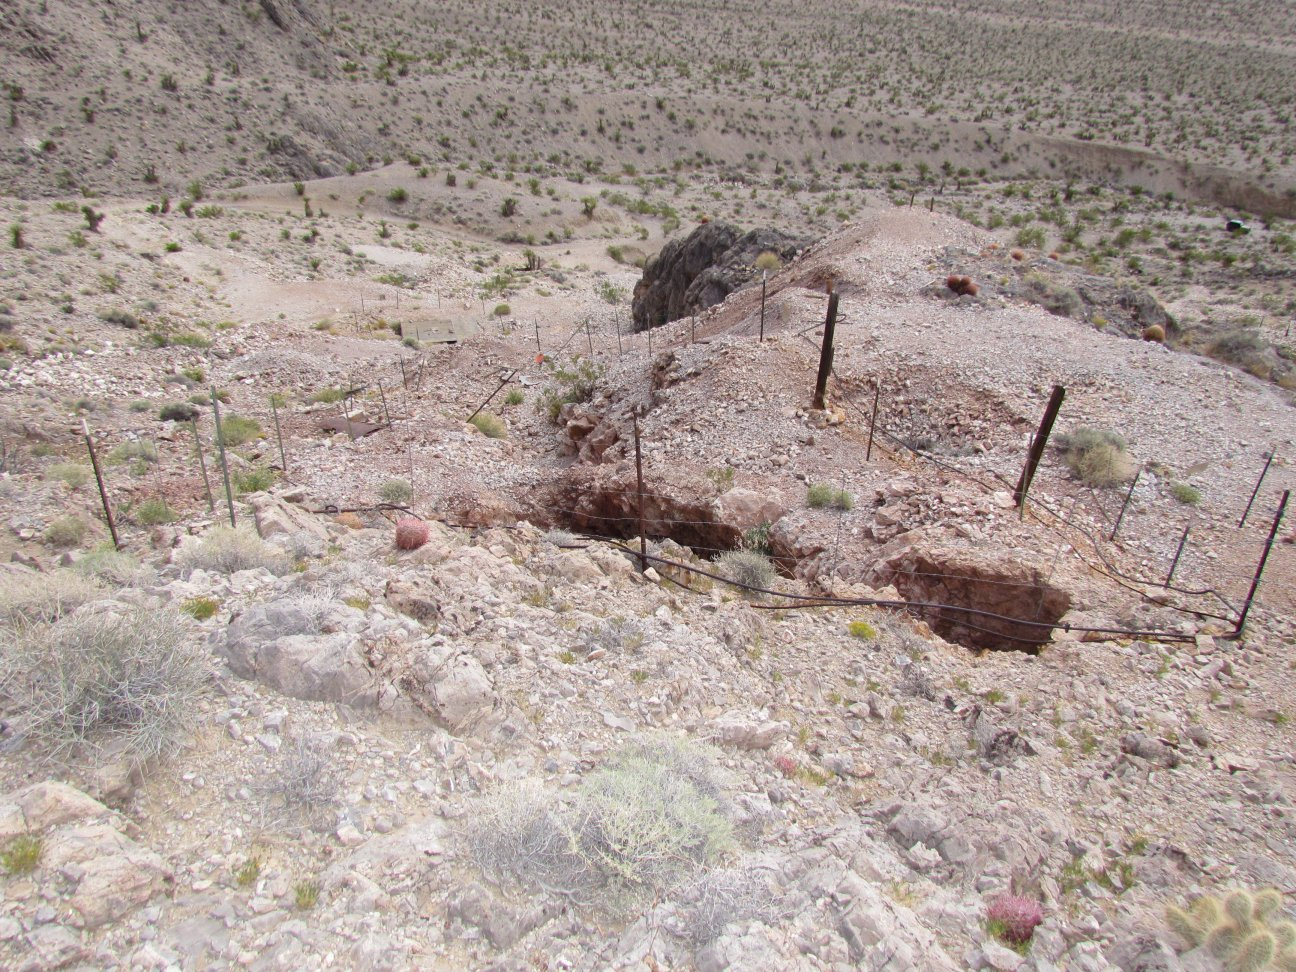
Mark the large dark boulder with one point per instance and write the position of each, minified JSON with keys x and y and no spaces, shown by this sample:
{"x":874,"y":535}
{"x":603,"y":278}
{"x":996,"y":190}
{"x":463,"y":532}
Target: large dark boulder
{"x":702,"y":269}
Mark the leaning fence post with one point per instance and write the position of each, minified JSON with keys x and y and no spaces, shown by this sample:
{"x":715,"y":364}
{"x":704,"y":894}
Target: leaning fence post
{"x":103,"y":490}
{"x":1256,"y":492}
{"x":220,"y":448}
{"x":1174,"y":564}
{"x":1129,"y":493}
{"x":877,"y":393}
{"x":826,"y":352}
{"x":1255,"y":584}
{"x":1037,"y":448}
{"x":383,"y":395}
{"x":643,"y":539}
{"x":764,"y":279}
{"x":202,"y":466}
{"x":274,"y":410}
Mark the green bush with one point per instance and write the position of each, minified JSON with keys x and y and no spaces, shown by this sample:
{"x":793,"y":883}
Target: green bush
{"x":177,"y":412}
{"x":503,"y":310}
{"x":255,"y":480}
{"x":120,"y":317}
{"x":1185,"y":494}
{"x":200,"y":608}
{"x":152,"y":512}
{"x":489,"y":426}
{"x":576,"y":385}
{"x":862,"y":630}
{"x":139,"y":451}
{"x":114,"y":567}
{"x":327,"y":396}
{"x":237,"y":430}
{"x":1096,"y":457}
{"x":821,"y":495}
{"x":398,"y":492}
{"x":66,"y":531}
{"x":21,"y":855}
{"x":514,"y":397}
{"x":71,"y":473}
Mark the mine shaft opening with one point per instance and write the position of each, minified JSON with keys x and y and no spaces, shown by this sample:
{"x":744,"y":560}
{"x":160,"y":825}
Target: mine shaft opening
{"x":983,"y":608}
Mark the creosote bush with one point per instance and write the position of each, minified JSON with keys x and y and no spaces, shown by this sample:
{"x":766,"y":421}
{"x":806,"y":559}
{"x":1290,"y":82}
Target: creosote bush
{"x":411,"y":533}
{"x":107,"y":682}
{"x":1096,"y":457}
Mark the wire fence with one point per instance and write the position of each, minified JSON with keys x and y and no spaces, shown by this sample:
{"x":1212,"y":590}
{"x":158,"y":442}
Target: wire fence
{"x":412,"y":372}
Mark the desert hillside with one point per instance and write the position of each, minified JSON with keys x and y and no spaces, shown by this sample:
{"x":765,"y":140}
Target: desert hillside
{"x":424,"y":547}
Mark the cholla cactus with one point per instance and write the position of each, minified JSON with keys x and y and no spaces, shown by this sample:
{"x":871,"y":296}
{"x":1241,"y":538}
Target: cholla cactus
{"x":1243,"y":930}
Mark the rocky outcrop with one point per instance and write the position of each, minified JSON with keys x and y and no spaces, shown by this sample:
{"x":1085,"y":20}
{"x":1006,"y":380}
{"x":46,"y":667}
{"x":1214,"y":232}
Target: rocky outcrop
{"x":701,"y":270}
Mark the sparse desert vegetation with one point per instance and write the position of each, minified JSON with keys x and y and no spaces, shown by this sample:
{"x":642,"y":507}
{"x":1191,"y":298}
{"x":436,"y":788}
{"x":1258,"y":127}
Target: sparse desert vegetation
{"x":373,"y":673}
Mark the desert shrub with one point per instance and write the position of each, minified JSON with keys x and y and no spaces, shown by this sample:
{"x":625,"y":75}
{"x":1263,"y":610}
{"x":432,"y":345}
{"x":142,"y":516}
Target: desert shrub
{"x":139,"y":451}
{"x":66,"y":531}
{"x":616,"y":634}
{"x":237,"y":430}
{"x":177,"y":412}
{"x":327,"y":396}
{"x":27,"y":597}
{"x":821,"y":495}
{"x":398,"y":195}
{"x":200,"y":608}
{"x":1054,"y":297}
{"x":122,"y":318}
{"x":398,"y":492}
{"x":1244,"y":930}
{"x":747,"y":567}
{"x":1096,"y":457}
{"x":649,"y":818}
{"x":116,"y":568}
{"x":1012,"y":918}
{"x":123,"y":683}
{"x":514,"y":397}
{"x":152,"y":512}
{"x":141,"y":405}
{"x":561,"y":538}
{"x":305,"y":784}
{"x":1185,"y":494}
{"x":720,"y":897}
{"x":862,"y":630}
{"x":306,"y":894}
{"x":575,"y":386}
{"x":489,"y":425}
{"x":502,"y":310}
{"x":411,"y":533}
{"x":71,"y":473}
{"x":768,"y":261}
{"x":254,"y":480}
{"x":21,"y":854}
{"x":226,"y":550}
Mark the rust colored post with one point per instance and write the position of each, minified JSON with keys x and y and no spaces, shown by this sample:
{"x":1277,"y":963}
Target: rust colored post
{"x":103,"y":490}
{"x":764,"y":280}
{"x":826,"y":353}
{"x":220,"y":447}
{"x":490,"y":396}
{"x":536,"y":322}
{"x":1121,"y":515}
{"x":589,"y":338}
{"x":1037,"y":448}
{"x":202,"y":465}
{"x":404,"y":380}
{"x":1255,"y":584}
{"x":383,"y":395}
{"x":616,"y":322}
{"x":643,"y":539}
{"x":877,"y":393}
{"x":1256,"y":492}
{"x":274,"y":410}
{"x":1174,"y":564}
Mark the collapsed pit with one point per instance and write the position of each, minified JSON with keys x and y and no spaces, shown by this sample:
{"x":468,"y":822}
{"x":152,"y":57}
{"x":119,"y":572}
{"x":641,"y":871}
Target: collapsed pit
{"x":1007,"y":606}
